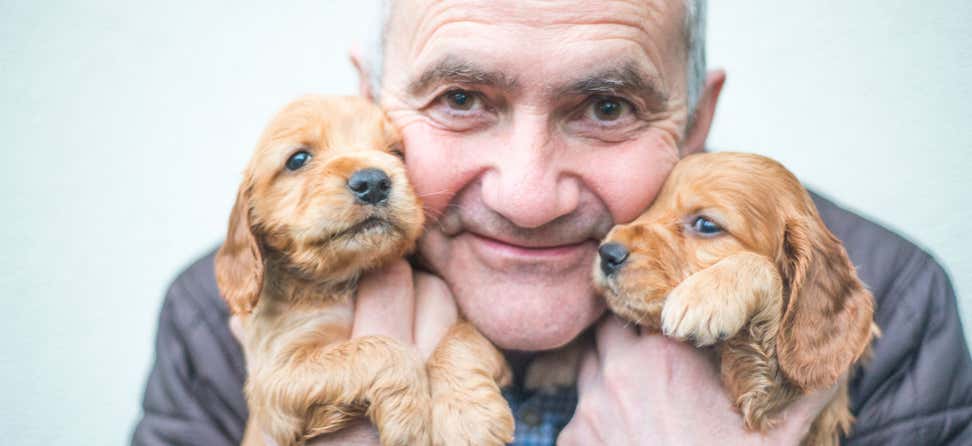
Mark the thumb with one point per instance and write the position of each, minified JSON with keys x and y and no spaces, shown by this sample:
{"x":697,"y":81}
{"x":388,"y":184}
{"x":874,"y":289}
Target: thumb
{"x":385,"y":303}
{"x":799,"y":417}
{"x":590,"y":371}
{"x":236,"y":327}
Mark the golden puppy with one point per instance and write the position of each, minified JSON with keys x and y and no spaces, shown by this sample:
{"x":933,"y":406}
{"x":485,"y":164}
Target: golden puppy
{"x":325,"y":198}
{"x":733,"y":253}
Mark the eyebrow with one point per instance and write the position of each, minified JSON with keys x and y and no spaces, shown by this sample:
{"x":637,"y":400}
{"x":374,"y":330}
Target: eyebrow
{"x":626,"y":78}
{"x":454,"y":69}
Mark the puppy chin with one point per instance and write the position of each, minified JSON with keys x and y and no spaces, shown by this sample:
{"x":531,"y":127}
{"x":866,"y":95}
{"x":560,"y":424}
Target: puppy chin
{"x":639,"y":310}
{"x":334,"y":260}
{"x":640,"y":305}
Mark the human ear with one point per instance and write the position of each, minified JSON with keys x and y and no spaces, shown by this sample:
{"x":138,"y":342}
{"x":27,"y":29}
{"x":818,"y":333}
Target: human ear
{"x":361,"y":67}
{"x":701,"y":121}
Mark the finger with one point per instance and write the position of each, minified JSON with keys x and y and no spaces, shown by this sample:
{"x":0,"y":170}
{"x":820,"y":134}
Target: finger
{"x":614,"y":334}
{"x":236,"y":327}
{"x":385,"y":303}
{"x":590,"y":370}
{"x":435,"y":312}
{"x":268,"y":440}
{"x":359,"y":432}
{"x":575,"y":434}
{"x":800,"y":415}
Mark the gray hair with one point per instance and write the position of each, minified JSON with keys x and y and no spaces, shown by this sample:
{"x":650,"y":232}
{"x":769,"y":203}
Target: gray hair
{"x":694,"y":33}
{"x":695,"y":12}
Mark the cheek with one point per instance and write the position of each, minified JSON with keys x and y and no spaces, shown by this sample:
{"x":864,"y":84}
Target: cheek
{"x":436,"y":165}
{"x":628,"y":176}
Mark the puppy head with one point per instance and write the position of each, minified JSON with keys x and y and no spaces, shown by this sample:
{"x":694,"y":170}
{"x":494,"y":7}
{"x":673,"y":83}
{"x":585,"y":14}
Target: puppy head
{"x":325,"y":197}
{"x":719,"y":204}
{"x":711,"y":206}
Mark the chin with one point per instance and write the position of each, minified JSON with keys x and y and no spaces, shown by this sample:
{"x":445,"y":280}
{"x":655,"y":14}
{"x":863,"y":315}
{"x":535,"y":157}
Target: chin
{"x":517,"y":305}
{"x":530,"y":317}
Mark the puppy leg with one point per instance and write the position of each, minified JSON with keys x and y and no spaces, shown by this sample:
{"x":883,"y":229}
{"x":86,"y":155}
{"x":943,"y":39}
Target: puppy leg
{"x":465,"y":374}
{"x":740,"y":299}
{"x":715,"y":303}
{"x":749,"y":365}
{"x":339,"y":379}
{"x":753,"y":379}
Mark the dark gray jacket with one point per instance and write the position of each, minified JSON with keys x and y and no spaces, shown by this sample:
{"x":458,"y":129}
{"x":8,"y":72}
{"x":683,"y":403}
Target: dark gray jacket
{"x":917,"y":390}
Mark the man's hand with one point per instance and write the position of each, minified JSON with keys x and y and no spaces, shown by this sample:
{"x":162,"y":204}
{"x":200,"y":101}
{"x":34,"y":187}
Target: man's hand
{"x":647,"y":389}
{"x":415,"y":308}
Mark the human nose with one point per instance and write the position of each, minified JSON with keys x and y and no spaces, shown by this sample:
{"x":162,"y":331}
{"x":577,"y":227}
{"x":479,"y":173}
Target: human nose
{"x":528,"y":184}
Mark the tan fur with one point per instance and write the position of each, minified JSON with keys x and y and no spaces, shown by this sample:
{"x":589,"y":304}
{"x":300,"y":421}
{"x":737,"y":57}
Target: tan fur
{"x":467,"y":406}
{"x":289,"y":266}
{"x":775,"y":291}
{"x":289,"y":269}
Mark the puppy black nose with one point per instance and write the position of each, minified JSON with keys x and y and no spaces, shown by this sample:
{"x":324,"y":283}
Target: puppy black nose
{"x":613,"y":256}
{"x":370,"y":185}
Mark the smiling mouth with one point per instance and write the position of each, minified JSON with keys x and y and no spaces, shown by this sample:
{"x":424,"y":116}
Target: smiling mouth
{"x":528,"y":248}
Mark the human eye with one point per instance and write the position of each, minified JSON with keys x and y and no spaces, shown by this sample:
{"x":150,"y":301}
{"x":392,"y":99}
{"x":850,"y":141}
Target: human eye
{"x":605,"y":118}
{"x":608,"y":110}
{"x":461,"y":100}
{"x":460,"y":109}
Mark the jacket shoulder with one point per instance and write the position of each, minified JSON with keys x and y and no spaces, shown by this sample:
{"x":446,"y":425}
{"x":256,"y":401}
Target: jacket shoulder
{"x":193,"y":294}
{"x":917,"y":386}
{"x":194,"y":393}
{"x":879,"y":254}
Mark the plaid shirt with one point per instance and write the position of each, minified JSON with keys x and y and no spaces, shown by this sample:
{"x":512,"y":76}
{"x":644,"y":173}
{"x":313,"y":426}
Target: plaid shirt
{"x":540,"y":416}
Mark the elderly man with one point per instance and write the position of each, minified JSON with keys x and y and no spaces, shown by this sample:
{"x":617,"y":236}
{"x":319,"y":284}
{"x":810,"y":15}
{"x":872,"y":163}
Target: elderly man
{"x":531,"y":128}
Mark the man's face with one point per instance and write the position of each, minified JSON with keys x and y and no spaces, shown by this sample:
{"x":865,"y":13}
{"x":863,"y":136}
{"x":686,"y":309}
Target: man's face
{"x":532,"y":128}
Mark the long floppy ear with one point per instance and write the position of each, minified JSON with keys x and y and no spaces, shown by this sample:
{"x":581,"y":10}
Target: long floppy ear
{"x":827,"y":321}
{"x":239,"y":262}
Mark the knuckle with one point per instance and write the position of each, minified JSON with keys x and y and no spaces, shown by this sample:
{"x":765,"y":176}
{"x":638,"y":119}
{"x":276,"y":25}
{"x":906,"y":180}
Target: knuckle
{"x":399,"y":269}
{"x":616,"y":376}
{"x":431,"y":285}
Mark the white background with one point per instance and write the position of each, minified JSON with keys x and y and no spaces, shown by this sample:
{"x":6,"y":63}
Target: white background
{"x":124,"y":129}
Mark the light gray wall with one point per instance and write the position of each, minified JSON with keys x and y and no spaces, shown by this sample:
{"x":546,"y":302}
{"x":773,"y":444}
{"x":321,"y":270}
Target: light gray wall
{"x":125,"y":128}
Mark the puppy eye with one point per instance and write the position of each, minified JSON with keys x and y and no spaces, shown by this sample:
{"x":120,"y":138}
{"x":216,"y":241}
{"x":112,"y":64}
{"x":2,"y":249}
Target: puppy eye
{"x":297,"y":160}
{"x":397,"y":151}
{"x":705,"y":226}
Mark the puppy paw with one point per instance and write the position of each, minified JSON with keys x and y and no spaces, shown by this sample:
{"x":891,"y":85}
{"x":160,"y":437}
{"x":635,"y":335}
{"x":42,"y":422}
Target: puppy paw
{"x":699,"y":311}
{"x":483,"y":421}
{"x":465,"y":375}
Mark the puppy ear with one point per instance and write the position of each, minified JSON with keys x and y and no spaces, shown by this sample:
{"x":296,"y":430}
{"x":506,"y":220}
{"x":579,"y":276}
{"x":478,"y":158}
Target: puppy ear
{"x":239,"y":262}
{"x":827,"y":322}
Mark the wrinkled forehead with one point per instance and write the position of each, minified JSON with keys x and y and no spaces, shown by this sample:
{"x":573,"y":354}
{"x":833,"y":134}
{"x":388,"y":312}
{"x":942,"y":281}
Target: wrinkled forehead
{"x":535,"y":41}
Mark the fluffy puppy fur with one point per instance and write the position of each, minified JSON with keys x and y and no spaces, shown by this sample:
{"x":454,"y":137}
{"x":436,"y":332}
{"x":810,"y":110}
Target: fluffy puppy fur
{"x":301,"y":233}
{"x":733,"y":253}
